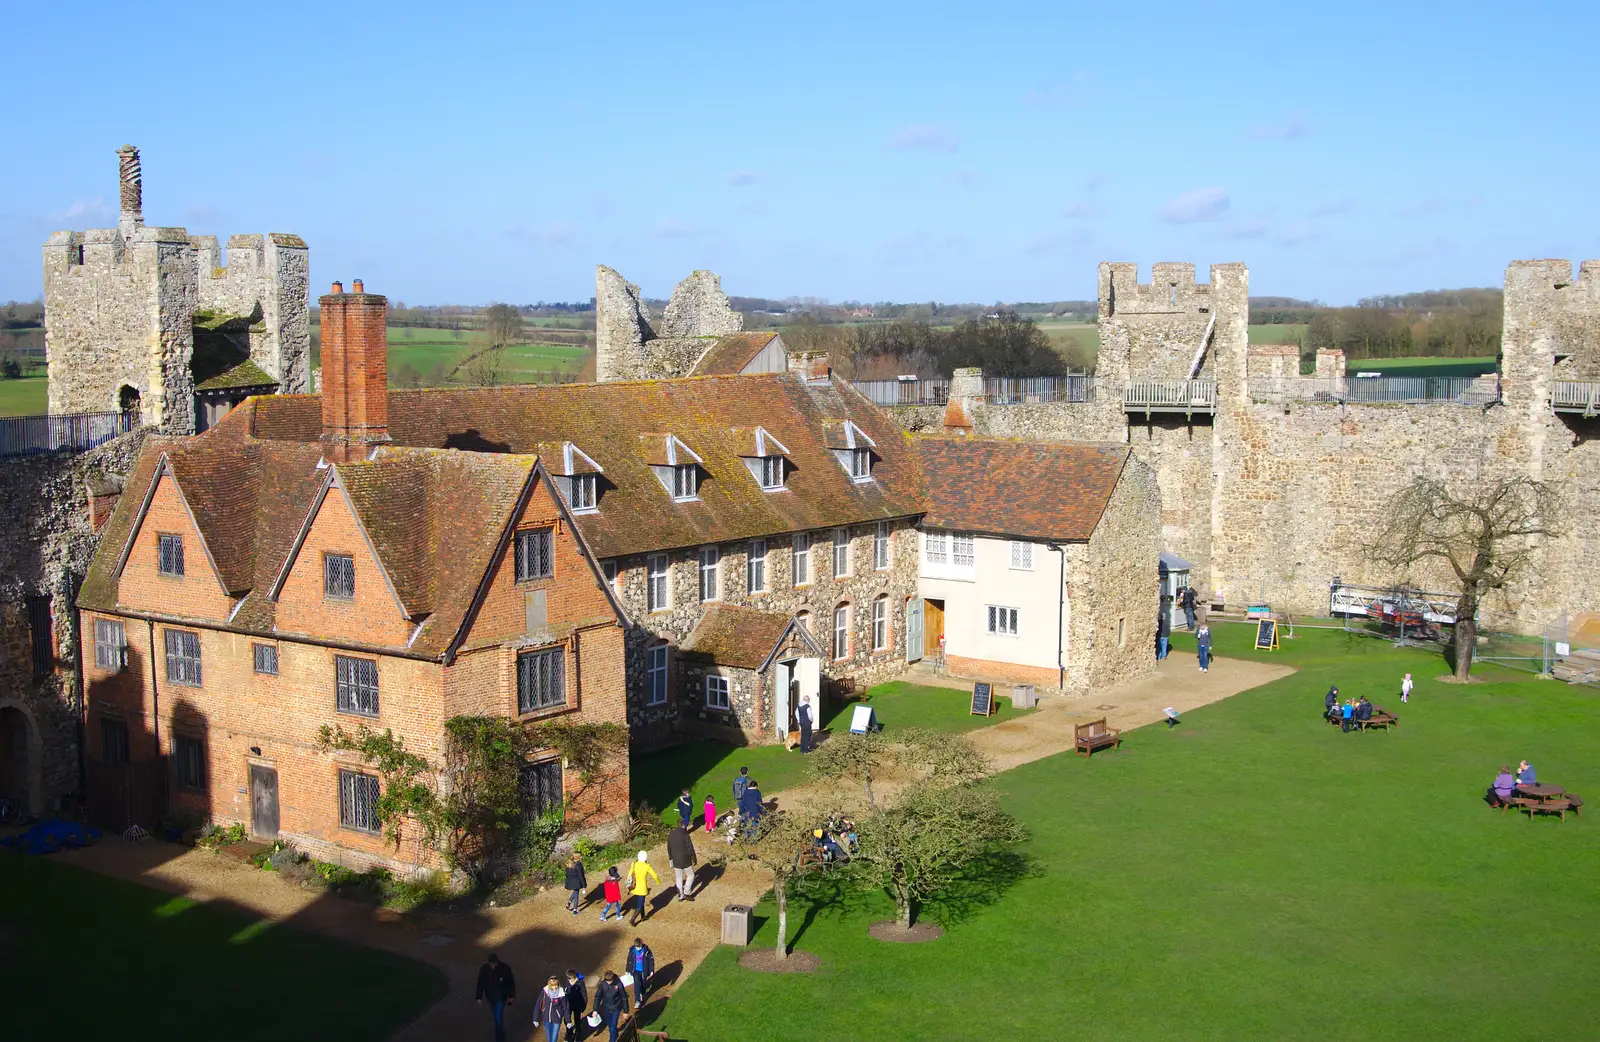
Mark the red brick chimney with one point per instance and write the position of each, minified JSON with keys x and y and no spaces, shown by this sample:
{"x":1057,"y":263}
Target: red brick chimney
{"x":355,"y":373}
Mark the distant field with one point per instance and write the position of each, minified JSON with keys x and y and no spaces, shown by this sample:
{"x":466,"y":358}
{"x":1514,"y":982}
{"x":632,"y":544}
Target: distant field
{"x":428,"y":350}
{"x":24,"y":397}
{"x":1288,"y":333}
{"x":1421,"y":366}
{"x":1078,"y":341}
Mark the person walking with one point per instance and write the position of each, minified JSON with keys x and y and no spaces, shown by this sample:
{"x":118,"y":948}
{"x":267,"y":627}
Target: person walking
{"x":1405,"y":688}
{"x":552,"y":1010}
{"x":610,"y":1001}
{"x":576,"y":884}
{"x":642,"y":964}
{"x":711,"y":814}
{"x":640,"y":875}
{"x":803,"y":714}
{"x":685,"y":808}
{"x":577,"y":1002}
{"x":1163,"y":629}
{"x":611,"y":890}
{"x":1202,"y":638}
{"x":681,"y":855}
{"x":750,"y":807}
{"x":498,"y":987}
{"x":1186,"y":599}
{"x":740,"y":784}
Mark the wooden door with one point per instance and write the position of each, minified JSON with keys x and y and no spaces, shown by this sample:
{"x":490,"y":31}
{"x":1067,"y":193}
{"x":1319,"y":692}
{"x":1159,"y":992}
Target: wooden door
{"x":932,"y":626}
{"x":263,"y":802}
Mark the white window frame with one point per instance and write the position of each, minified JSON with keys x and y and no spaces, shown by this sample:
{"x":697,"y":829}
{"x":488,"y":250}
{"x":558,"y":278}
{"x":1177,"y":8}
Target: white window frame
{"x":612,"y":573}
{"x":772,"y":473}
{"x":710,"y":574}
{"x":655,"y":675}
{"x":658,"y":570}
{"x":1002,"y":620}
{"x":841,"y":633}
{"x":585,"y":489}
{"x":755,"y":567}
{"x":880,"y":547}
{"x":1021,"y":555}
{"x":860,"y":465}
{"x":685,"y":483}
{"x":936,"y":547}
{"x":717,"y":692}
{"x":841,"y":553}
{"x":880,"y":624}
{"x":801,"y":562}
{"x":963,"y":550}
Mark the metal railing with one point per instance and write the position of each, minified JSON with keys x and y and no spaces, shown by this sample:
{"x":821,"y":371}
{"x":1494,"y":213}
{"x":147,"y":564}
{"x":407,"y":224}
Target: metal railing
{"x":1398,"y":390}
{"x":905,"y":392}
{"x":76,"y":432}
{"x":1576,"y":396}
{"x":1026,"y":390}
{"x":1170,"y":396}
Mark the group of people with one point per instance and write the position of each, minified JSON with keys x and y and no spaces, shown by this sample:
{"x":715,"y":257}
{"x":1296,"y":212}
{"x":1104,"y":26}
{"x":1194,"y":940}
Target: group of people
{"x":1187,"y":600}
{"x":1505,"y":784}
{"x":639,"y":880}
{"x":1352,"y":712}
{"x":562,"y":1006}
{"x":835,"y":840}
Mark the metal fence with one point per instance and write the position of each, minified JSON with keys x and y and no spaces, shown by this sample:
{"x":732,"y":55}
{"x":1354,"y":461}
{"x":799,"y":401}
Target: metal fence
{"x":77,"y":432}
{"x":905,"y":392}
{"x":1007,"y":390}
{"x":1400,"y":390}
{"x":1170,"y":395}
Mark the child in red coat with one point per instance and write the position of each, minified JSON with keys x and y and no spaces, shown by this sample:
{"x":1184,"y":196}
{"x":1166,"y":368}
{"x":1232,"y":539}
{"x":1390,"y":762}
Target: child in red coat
{"x":612,"y":889}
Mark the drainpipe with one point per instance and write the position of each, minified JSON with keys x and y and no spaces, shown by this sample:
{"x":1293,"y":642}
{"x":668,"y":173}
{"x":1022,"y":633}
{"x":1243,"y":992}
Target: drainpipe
{"x":1061,"y":612}
{"x":79,"y":706}
{"x":155,"y":692}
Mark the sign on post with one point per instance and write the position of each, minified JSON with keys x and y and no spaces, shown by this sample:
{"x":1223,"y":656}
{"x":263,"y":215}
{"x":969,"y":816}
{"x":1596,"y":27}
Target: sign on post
{"x":1266,"y":634}
{"x":982,"y":699}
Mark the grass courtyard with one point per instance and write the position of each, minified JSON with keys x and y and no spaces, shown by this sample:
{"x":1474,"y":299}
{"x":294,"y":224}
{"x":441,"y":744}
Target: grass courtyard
{"x":88,"y":956}
{"x":1253,"y":873}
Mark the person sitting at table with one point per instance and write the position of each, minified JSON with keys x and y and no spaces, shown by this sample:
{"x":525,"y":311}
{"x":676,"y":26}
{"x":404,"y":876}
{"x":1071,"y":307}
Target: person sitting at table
{"x":1363,"y":709}
{"x":1526,"y":775}
{"x":1330,"y":703}
{"x":1500,"y":790}
{"x":1347,"y":714}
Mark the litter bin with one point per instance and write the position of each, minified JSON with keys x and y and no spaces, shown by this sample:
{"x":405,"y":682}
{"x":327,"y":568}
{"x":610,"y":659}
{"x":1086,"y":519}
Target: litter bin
{"x":1023,"y":696}
{"x":736,"y":925}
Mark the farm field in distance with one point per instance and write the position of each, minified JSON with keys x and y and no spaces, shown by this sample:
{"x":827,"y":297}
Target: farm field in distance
{"x":1286,"y":333}
{"x":23,"y":397}
{"x":438,"y":351}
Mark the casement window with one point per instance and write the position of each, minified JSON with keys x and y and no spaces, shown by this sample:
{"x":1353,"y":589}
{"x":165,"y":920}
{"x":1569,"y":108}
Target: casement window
{"x":755,"y":569}
{"x":1021,"y":555}
{"x":113,"y":741}
{"x":539,"y":788}
{"x":535,"y":554}
{"x":613,"y":575}
{"x":685,"y":482}
{"x":189,"y":762}
{"x":541,"y":680}
{"x":183,"y":657}
{"x":1002,"y":621}
{"x":936,"y":547}
{"x":169,"y":554}
{"x":772,"y":473}
{"x":358,"y":801}
{"x":716,"y":692}
{"x":655,"y":674}
{"x":265,"y":659}
{"x":860,"y":465}
{"x":338,"y":577}
{"x":355,"y":682}
{"x":841,"y":552}
{"x":41,"y":637}
{"x":880,"y":547}
{"x":710,"y":558}
{"x":110,"y":644}
{"x":802,"y":559}
{"x":961,"y":554}
{"x":841,"y":632}
{"x":880,"y":624}
{"x":583,"y":499}
{"x":656,"y":591}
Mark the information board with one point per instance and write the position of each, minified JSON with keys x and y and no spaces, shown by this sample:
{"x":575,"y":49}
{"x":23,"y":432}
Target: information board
{"x":861,"y":720}
{"x":1266,"y":634}
{"x":982,"y":699}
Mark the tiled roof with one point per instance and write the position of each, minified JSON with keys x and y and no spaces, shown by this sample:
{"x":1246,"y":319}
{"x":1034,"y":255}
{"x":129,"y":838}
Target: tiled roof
{"x":1028,"y":489}
{"x":711,"y":415}
{"x":730,"y":354}
{"x":733,"y":636}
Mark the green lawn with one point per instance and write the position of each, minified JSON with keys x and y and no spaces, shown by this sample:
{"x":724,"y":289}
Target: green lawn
{"x":709,"y":767}
{"x":1253,"y":873}
{"x":1277,"y":333}
{"x":86,"y":956}
{"x":23,"y":397}
{"x":1422,"y":366}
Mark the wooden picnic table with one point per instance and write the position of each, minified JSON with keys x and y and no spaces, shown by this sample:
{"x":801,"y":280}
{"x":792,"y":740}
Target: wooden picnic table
{"x":1542,"y":792}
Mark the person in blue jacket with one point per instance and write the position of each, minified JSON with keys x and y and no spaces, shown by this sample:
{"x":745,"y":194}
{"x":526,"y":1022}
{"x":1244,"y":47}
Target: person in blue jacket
{"x":642,"y":964}
{"x":1526,"y":774}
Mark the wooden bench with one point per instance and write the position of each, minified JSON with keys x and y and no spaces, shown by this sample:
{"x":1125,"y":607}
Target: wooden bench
{"x":1381,"y":719}
{"x":1559,"y":806}
{"x":1095,"y":735}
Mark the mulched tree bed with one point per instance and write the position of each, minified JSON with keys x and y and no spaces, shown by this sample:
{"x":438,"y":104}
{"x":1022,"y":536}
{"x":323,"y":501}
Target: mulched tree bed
{"x":765,"y":960}
{"x":889,"y":930}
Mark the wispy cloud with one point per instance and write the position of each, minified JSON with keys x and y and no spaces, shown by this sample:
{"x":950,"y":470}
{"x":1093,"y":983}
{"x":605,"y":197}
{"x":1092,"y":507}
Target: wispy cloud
{"x":556,"y":233}
{"x":743,"y":178}
{"x":1082,"y":210}
{"x":672,"y":228}
{"x":1297,"y":235}
{"x":85,"y":210}
{"x":925,"y":137}
{"x":1294,"y":126}
{"x":1199,"y":204}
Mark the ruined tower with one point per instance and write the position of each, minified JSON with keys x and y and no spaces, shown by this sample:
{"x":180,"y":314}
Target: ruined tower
{"x":629,"y":347}
{"x":149,"y":319}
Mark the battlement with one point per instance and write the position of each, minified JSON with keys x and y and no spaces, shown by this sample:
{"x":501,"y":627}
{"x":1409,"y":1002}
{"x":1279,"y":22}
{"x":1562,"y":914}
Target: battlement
{"x":1172,"y":289}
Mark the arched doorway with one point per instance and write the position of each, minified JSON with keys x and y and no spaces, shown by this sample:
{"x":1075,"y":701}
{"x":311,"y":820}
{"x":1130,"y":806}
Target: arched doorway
{"x":128,"y":399}
{"x":19,"y":757}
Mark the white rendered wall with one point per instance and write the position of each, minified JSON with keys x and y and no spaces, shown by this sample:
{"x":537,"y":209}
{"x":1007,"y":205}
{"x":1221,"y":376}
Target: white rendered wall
{"x":967,"y":594}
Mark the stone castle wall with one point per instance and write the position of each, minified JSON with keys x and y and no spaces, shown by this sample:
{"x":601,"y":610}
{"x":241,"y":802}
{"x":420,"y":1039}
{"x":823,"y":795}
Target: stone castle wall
{"x":266,"y":279}
{"x":628,"y":346}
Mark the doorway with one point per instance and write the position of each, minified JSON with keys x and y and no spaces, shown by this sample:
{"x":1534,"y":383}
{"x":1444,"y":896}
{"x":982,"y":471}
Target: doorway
{"x":932,"y":628}
{"x":794,"y":681}
{"x":17,"y":760}
{"x":263,"y":802}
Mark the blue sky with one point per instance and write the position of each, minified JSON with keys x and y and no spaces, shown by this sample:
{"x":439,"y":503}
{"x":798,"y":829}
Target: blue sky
{"x":470,"y":153}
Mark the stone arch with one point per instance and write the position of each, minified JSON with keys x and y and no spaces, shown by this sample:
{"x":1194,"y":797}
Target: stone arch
{"x":21,"y":755}
{"x":129,"y":398}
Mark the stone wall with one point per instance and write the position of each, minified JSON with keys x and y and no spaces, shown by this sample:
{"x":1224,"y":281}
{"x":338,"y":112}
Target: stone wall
{"x":629,"y":347}
{"x":45,"y":547}
{"x":266,"y":279}
{"x":1111,"y":585}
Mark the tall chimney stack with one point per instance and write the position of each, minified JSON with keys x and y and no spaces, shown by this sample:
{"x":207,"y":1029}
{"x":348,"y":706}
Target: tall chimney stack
{"x":131,"y":180}
{"x":355,"y":373}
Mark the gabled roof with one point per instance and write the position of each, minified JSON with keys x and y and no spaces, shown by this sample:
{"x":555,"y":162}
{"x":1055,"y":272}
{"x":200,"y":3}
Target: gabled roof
{"x":745,"y":638}
{"x":711,"y":416}
{"x":758,"y":442}
{"x":732,"y":352}
{"x":1027,"y":489}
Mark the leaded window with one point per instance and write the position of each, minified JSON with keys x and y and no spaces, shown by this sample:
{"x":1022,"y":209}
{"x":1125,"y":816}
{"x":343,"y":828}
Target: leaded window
{"x":183,"y":657}
{"x":880,"y":624}
{"x":356,"y":685}
{"x":110,"y":644}
{"x":535,"y":554}
{"x":1021,"y":555}
{"x":541,"y":680}
{"x":265,"y":658}
{"x":539,"y":788}
{"x":961,"y":553}
{"x":1002,"y":621}
{"x":583,"y":492}
{"x":169,"y":554}
{"x":936,"y":548}
{"x":841,"y":631}
{"x":113,"y":740}
{"x":860,"y":464}
{"x":338,"y":577}
{"x":685,"y":481}
{"x":656,"y":583}
{"x":771,"y":472}
{"x":358,"y":801}
{"x":189,"y":762}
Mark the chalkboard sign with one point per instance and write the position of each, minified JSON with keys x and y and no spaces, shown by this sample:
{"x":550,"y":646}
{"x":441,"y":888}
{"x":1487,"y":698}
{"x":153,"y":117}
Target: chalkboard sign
{"x":982,"y":699}
{"x":1266,"y":634}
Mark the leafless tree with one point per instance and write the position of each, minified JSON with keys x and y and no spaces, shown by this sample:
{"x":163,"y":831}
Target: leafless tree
{"x":503,"y":324}
{"x":1486,"y":536}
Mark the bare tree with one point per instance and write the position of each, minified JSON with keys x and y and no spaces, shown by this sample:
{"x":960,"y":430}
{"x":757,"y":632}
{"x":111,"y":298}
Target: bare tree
{"x":503,"y":324}
{"x":944,"y":758}
{"x":782,"y":843}
{"x":1487,"y":537}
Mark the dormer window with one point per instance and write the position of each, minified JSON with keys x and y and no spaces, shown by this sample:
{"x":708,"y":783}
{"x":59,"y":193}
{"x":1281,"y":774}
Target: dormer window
{"x":583,"y":492}
{"x":771,"y":472}
{"x":676,"y":465}
{"x":860,"y":465}
{"x":852,"y":447}
{"x":579,"y":479}
{"x":685,"y":482}
{"x":765,"y":456}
